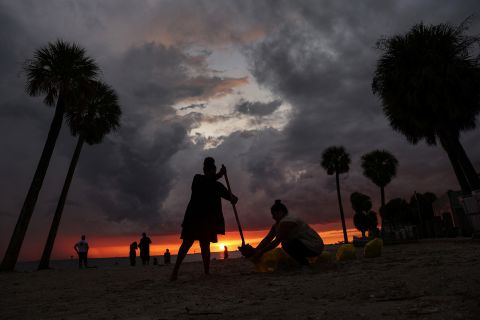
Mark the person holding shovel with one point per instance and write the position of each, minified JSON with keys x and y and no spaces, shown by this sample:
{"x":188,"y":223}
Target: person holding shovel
{"x":298,"y":239}
{"x":203,"y":219}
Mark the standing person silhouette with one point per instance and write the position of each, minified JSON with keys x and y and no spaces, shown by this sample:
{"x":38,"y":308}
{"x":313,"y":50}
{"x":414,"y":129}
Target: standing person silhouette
{"x":225,"y":253}
{"x":166,"y":257}
{"x":203,"y":219}
{"x":81,"y":248}
{"x":133,"y":253}
{"x":144,"y":247}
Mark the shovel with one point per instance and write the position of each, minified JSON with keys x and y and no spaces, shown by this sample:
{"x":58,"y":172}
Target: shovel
{"x":245,"y":249}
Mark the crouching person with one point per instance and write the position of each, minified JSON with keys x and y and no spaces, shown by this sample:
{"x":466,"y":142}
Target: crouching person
{"x":297,"y":238}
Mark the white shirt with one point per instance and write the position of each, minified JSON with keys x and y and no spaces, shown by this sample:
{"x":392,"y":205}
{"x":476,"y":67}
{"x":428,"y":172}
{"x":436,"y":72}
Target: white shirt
{"x":304,"y":233}
{"x":82,"y":246}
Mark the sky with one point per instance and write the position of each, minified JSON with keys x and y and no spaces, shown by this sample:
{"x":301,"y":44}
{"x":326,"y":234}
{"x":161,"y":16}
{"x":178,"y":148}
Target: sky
{"x":262,"y":86}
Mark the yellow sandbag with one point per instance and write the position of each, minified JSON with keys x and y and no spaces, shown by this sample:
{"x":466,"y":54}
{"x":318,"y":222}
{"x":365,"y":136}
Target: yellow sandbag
{"x":346,"y":252}
{"x":324,"y":257}
{"x":273,"y":260}
{"x":373,"y":248}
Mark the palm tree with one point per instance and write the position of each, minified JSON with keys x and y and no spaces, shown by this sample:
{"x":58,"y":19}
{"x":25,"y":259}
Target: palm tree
{"x":91,"y":118}
{"x":380,"y":166}
{"x":335,"y":160}
{"x":429,"y":83}
{"x":56,"y":71}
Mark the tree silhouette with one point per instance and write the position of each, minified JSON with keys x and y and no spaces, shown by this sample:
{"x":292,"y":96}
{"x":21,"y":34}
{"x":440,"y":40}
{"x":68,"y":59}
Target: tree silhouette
{"x":380,"y":167}
{"x":428,"y":81}
{"x":397,"y":211}
{"x":93,"y":116}
{"x":55,"y":71}
{"x":361,"y":204}
{"x":335,"y":160}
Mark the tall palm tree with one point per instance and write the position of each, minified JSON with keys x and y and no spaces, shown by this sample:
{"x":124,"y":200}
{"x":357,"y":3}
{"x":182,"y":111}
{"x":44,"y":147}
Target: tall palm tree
{"x":91,"y":118}
{"x":429,"y":83}
{"x":55,"y":71}
{"x":335,"y":160}
{"x":380,"y":166}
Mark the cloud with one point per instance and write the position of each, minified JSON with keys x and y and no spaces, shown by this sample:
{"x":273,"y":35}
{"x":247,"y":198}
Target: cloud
{"x":258,"y":108}
{"x":322,"y":64}
{"x":194,"y":106}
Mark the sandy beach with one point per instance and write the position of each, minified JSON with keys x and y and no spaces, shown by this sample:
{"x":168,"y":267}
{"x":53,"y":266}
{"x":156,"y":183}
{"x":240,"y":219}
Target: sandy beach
{"x":431,"y":279}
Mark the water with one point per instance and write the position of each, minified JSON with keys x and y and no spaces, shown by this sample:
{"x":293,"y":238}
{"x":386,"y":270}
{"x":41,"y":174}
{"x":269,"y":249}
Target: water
{"x":106,"y":263}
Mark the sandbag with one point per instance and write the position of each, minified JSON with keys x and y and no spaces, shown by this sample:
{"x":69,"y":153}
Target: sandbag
{"x":373,"y":248}
{"x":321,"y":259}
{"x":325,"y":257}
{"x":273,"y":260}
{"x":346,"y":252}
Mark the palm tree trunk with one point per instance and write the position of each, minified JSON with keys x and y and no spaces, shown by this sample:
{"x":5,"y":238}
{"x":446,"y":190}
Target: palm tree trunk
{"x":16,"y":241}
{"x":468,"y":169}
{"x":382,"y":205}
{"x":457,"y":168}
{"x":382,"y":196}
{"x":47,"y":251}
{"x":342,"y":216}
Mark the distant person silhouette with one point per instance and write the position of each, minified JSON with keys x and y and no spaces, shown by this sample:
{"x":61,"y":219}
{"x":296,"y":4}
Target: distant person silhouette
{"x":144,"y":246}
{"x":204,"y":217}
{"x":297,"y":238}
{"x":133,"y":253}
{"x":225,"y":253}
{"x":166,"y":257}
{"x":81,"y":248}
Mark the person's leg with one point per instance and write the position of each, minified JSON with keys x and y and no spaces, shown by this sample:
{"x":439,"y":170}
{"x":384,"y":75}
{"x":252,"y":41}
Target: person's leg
{"x":182,"y":252}
{"x":205,"y":247}
{"x":298,"y":251}
{"x":82,"y":259}
{"x":85,"y":260}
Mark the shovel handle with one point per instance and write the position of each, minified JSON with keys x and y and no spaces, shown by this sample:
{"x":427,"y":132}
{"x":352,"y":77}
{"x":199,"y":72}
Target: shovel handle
{"x":234,"y":209}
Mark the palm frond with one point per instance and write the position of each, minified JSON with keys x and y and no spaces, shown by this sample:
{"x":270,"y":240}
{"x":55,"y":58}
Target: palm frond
{"x":58,"y":67}
{"x":94,"y":113}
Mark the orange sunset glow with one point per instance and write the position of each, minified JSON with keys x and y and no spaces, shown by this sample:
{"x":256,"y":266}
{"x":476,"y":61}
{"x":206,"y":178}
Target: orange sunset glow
{"x":118,"y":246}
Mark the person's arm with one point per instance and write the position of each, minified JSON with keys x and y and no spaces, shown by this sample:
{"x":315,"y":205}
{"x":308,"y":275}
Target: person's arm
{"x":75,"y":247}
{"x":225,"y":194}
{"x":86,"y":244}
{"x":284,"y":230}
{"x":221,"y":172}
{"x":268,"y":238}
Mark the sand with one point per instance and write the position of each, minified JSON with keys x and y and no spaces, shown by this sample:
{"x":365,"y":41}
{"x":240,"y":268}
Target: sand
{"x":437,"y":279}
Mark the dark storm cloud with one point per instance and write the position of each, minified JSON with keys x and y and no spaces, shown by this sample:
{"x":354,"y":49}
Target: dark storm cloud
{"x":194,"y":106}
{"x":134,"y":175}
{"x":323,"y":64}
{"x":130,"y":177}
{"x":156,"y":76}
{"x":121,"y":183}
{"x":257,"y":108}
